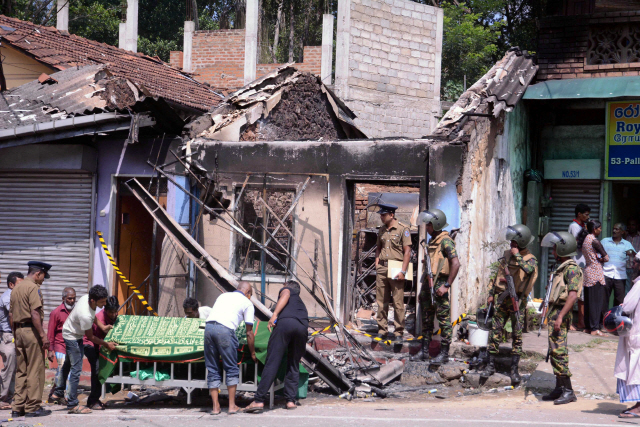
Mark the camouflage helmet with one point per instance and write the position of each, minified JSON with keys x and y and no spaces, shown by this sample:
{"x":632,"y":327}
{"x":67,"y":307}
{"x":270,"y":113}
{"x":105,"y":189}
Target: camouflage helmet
{"x":436,"y":217}
{"x":518,"y":233}
{"x":564,"y":242}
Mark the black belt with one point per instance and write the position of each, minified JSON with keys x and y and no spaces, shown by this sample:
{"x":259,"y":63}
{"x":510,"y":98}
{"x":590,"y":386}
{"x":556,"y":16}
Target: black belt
{"x":23,"y":325}
{"x":383,"y":263}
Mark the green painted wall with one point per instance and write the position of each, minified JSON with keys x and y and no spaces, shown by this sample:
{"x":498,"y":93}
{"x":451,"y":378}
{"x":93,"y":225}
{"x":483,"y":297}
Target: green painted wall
{"x":572,"y":142}
{"x":517,"y":132}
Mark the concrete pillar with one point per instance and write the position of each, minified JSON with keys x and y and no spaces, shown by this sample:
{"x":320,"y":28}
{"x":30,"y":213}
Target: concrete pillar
{"x":189,"y":29}
{"x":327,"y":48}
{"x":62,"y":15}
{"x":342,"y":48}
{"x":122,"y":36}
{"x":131,"y":42}
{"x":439,"y":31}
{"x":251,"y":42}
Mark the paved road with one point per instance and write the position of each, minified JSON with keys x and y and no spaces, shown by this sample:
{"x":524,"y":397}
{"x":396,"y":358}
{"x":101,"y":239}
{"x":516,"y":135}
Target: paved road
{"x":506,"y":409}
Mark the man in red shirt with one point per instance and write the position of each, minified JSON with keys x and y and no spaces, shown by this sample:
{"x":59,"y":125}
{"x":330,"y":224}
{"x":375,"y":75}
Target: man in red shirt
{"x":54,"y":335}
{"x":108,"y":317}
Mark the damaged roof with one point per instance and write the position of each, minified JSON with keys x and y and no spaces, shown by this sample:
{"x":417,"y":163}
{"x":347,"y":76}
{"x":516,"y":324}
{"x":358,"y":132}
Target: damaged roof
{"x":285,"y":105}
{"x":61,"y":51}
{"x":500,"y":88}
{"x":74,"y":92}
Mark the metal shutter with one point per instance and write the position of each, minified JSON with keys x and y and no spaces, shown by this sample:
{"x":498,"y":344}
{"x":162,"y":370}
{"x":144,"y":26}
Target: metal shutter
{"x":47,"y":217}
{"x":565,"y":195}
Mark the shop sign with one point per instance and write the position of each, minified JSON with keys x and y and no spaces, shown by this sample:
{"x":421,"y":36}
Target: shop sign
{"x":623,"y":140}
{"x":573,"y":169}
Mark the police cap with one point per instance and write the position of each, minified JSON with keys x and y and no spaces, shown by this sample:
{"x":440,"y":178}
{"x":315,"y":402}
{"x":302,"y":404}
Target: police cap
{"x":385,"y":208}
{"x":43,"y":266}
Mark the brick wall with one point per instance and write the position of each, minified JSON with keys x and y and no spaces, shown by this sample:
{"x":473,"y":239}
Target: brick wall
{"x":392,"y":79}
{"x":564,"y":42}
{"x":218,"y":59}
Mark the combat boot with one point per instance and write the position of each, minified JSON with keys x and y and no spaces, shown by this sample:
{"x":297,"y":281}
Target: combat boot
{"x":443,"y":357}
{"x":423,"y":354}
{"x":556,"y":393}
{"x":515,"y":375}
{"x":490,"y":369}
{"x":567,"y":395}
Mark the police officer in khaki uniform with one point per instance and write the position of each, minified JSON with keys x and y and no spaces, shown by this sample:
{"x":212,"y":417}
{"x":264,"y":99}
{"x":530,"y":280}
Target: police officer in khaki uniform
{"x":394,"y":244}
{"x":26,"y":317}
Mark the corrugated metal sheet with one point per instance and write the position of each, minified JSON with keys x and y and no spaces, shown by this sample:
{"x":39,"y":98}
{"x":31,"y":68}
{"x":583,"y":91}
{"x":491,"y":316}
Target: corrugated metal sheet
{"x":566,"y":194}
{"x":47,"y":217}
{"x":601,"y":87}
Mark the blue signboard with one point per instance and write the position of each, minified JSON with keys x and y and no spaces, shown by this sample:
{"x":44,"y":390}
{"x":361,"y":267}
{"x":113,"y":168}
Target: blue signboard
{"x":623,"y":140}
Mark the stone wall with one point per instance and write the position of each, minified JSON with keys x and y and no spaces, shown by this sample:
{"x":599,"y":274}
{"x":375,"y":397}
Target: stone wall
{"x":218,"y":59}
{"x":566,"y":41}
{"x":388,"y":65}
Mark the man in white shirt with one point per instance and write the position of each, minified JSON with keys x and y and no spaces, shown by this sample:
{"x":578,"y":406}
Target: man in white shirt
{"x":615,"y":270}
{"x":79,"y":323}
{"x":220,"y":341}
{"x":193,"y":310}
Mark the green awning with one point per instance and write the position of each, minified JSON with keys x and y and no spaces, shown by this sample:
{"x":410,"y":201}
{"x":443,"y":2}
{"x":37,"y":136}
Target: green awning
{"x":602,"y":87}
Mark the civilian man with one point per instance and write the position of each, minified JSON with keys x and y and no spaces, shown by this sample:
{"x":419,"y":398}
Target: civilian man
{"x":289,"y":337}
{"x":7,"y":347}
{"x":192,"y":309}
{"x":27,"y":316}
{"x":108,"y":317}
{"x":220,"y":342}
{"x":615,"y":271}
{"x":394,"y":244}
{"x":57,"y":349}
{"x":79,"y":323}
{"x":578,"y":228}
{"x":634,"y":237}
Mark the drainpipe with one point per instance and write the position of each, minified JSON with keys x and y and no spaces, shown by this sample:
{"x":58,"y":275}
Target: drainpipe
{"x":62,"y":15}
{"x":132,"y":26}
{"x":251,"y":41}
{"x":189,"y":29}
{"x":327,"y":49}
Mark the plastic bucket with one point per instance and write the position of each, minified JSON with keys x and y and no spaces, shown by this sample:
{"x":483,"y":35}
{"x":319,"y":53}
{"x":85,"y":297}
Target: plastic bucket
{"x":477,"y":336}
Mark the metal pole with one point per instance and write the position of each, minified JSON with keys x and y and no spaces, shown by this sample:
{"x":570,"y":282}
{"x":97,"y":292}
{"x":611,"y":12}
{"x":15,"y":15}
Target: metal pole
{"x":154,"y":241}
{"x":263,"y":256}
{"x":330,"y":245}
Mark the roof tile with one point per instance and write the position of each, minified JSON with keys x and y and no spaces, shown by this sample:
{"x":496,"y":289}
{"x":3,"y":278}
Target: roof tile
{"x":62,"y":51}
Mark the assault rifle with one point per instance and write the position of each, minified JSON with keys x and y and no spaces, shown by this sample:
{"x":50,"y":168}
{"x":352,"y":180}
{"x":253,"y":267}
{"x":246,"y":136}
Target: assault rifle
{"x":544,"y":307}
{"x":511,"y":292}
{"x":427,"y":278}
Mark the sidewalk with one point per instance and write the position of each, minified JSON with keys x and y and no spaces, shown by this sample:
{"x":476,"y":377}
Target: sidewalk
{"x":591,"y":361}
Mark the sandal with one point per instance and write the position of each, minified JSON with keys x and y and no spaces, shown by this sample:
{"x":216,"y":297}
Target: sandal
{"x":253,"y":410}
{"x":98,"y":406}
{"x":5,"y":406}
{"x":81,"y":410}
{"x":59,"y":400}
{"x":630,"y":415}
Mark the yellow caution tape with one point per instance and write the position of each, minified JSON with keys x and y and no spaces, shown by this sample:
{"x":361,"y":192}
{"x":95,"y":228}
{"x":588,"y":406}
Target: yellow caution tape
{"x":122,"y":276}
{"x":324,"y":330}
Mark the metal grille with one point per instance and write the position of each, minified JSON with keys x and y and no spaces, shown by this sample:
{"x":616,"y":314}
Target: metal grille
{"x":565,"y":195}
{"x":47,"y":217}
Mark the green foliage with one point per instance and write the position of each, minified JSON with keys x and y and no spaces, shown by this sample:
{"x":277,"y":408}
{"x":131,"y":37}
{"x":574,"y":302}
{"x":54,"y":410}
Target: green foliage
{"x":468,"y":48}
{"x":493,"y":269}
{"x":158,"y":47}
{"x":95,"y":20}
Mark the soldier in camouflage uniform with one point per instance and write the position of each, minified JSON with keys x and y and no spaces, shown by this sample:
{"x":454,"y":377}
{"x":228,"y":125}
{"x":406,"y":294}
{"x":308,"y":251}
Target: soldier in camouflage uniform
{"x":566,"y":287}
{"x":444,"y":266}
{"x":523,"y":268}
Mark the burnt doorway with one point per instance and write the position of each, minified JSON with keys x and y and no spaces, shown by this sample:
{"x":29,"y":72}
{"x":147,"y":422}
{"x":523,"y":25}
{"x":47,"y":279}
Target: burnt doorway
{"x":360,"y":301}
{"x":134,"y":246}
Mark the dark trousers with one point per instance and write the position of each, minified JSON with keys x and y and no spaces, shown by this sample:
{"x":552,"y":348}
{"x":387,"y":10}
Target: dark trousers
{"x":593,"y":303}
{"x":290,"y":337}
{"x":92,"y":355}
{"x":617,"y":287}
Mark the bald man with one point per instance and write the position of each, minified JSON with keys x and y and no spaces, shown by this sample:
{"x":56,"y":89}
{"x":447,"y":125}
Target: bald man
{"x":220,"y":341}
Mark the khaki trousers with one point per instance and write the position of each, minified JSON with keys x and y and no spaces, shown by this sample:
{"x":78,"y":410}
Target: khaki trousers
{"x":8,"y":373}
{"x":386,"y":289}
{"x":30,"y":370}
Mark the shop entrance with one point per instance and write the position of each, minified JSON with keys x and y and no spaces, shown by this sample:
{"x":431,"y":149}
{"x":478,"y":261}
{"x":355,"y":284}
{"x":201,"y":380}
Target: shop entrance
{"x":361,"y":294}
{"x":134,"y":242}
{"x":625,"y":202}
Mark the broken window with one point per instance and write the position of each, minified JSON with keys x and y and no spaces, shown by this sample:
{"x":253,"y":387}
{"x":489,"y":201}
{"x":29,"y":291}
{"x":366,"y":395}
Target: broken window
{"x":251,"y":214}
